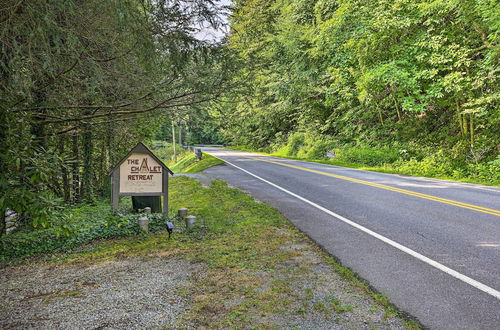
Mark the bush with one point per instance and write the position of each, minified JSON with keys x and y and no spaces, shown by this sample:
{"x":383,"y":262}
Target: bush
{"x":33,"y":242}
{"x":368,"y":155}
{"x":319,"y":148}
{"x":435,"y":165}
{"x":487,"y":173}
{"x":441,"y":165}
{"x":307,"y":146}
{"x":295,"y":143}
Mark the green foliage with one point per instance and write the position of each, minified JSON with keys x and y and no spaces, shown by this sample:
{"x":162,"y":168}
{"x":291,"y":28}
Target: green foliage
{"x":306,"y":146}
{"x":368,"y":155}
{"x":83,"y":224}
{"x":438,"y":165}
{"x":81,"y":82}
{"x":295,"y":143}
{"x":399,"y":159}
{"x":360,"y":76}
{"x":165,"y":151}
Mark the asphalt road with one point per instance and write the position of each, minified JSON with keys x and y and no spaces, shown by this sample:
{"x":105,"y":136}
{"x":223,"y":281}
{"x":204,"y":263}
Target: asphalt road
{"x":431,"y":246}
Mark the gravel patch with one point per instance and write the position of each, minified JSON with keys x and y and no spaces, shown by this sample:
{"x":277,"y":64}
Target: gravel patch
{"x":323,"y":299}
{"x":123,"y":294}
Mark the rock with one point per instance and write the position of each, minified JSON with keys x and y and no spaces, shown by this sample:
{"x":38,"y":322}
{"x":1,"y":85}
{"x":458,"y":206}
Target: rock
{"x":10,"y":224}
{"x":10,"y":230}
{"x":10,"y":219}
{"x":10,"y":212}
{"x":11,"y":216}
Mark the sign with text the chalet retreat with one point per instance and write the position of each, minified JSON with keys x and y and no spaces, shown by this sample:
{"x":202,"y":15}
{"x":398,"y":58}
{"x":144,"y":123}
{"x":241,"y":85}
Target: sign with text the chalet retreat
{"x":140,"y":173}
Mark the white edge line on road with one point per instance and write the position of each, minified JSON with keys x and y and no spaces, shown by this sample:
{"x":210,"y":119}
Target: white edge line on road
{"x":384,"y":239}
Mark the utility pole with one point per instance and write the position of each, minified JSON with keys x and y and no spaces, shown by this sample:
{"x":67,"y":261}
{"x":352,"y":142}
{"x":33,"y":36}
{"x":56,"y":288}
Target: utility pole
{"x":173,"y":140}
{"x":180,"y":134}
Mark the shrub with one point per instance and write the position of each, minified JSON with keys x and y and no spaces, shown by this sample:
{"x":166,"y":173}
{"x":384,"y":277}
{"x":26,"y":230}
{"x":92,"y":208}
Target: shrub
{"x":308,"y":146}
{"x":319,"y":148}
{"x":295,"y":143}
{"x":487,"y":173}
{"x":368,"y":155}
{"x":33,"y":242}
{"x":434,"y":165}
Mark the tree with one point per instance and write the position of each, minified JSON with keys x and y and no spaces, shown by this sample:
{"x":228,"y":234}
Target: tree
{"x":83,"y":81}
{"x":371,"y":72}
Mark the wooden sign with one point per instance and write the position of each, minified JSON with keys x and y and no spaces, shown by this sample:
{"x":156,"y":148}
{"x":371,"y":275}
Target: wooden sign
{"x":140,"y":173}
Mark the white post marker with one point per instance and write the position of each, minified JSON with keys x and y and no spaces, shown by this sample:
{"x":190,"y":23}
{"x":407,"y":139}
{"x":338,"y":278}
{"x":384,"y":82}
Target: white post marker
{"x":190,"y":220}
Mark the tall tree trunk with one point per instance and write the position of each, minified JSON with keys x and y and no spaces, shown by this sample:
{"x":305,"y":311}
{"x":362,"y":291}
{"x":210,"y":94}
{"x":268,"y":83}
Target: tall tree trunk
{"x":102,"y":169}
{"x":180,"y":134}
{"x":472,"y":130}
{"x":173,"y":141}
{"x":460,"y":119}
{"x":107,"y":160}
{"x":397,"y":108}
{"x":88,"y":146}
{"x":37,"y":117}
{"x":4,"y":174}
{"x":461,"y":124}
{"x":110,"y":133}
{"x":380,"y":116}
{"x":64,"y":170}
{"x":75,"y":172}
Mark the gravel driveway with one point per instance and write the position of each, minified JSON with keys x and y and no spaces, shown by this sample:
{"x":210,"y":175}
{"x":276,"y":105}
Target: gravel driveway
{"x":125,"y":294}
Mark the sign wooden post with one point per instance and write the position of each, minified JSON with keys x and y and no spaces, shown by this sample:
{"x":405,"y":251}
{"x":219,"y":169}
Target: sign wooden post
{"x":140,"y":173}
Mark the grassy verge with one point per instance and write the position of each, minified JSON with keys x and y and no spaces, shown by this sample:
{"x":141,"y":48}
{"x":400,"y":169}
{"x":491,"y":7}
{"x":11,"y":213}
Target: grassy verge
{"x":190,"y":164}
{"x":410,"y":168}
{"x":260,"y":270}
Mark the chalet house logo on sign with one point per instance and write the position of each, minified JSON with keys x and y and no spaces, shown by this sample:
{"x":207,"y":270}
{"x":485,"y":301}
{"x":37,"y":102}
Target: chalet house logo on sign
{"x":140,"y":173}
{"x":143,"y":172}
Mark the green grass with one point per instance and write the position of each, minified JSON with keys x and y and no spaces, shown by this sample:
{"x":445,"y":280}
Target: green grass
{"x":190,"y":164}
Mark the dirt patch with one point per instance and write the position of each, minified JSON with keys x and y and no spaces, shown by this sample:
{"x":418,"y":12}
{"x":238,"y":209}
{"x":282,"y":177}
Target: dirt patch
{"x":133,"y":293}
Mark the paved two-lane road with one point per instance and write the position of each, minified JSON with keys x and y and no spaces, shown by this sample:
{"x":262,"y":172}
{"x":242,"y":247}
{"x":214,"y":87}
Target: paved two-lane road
{"x":432,"y":246}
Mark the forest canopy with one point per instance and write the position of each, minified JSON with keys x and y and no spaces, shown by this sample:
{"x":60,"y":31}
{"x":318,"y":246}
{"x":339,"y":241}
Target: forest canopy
{"x":81,"y":82}
{"x":419,"y":75}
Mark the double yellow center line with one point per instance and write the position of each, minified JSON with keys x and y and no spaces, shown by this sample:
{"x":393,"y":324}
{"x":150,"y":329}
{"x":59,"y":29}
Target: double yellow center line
{"x":382,"y":186}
